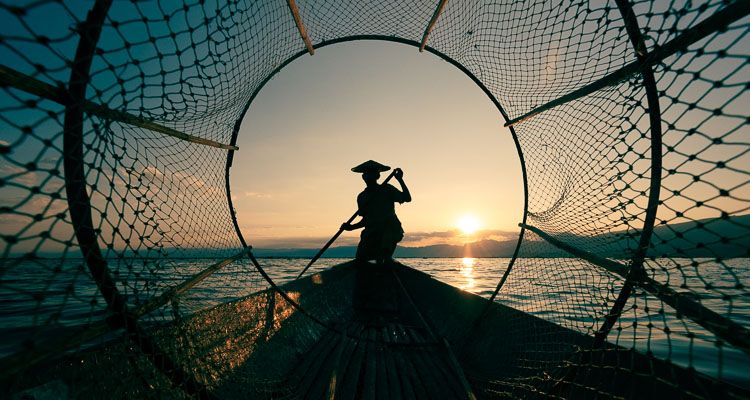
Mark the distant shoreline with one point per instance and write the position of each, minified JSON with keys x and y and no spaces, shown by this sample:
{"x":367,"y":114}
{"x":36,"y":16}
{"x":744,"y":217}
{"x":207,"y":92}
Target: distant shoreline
{"x":716,"y":238}
{"x":345,"y":258}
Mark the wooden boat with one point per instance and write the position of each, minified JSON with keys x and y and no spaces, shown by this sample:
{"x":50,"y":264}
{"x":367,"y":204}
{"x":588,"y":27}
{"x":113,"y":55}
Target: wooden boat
{"x":376,"y":332}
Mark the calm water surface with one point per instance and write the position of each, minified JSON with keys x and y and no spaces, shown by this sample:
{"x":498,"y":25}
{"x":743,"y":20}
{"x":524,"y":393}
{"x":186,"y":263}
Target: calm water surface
{"x":568,"y":292}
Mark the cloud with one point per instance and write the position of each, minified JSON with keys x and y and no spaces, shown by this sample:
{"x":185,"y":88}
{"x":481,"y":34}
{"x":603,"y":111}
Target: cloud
{"x":19,"y":182}
{"x":302,"y":242}
{"x":50,"y":163}
{"x":494,"y":234}
{"x":411,"y":239}
{"x":454,"y":237}
{"x":416,"y":236}
{"x":257,"y":195}
{"x":7,"y":169}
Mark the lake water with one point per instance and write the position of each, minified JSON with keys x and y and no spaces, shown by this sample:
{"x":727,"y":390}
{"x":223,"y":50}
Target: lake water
{"x":38,"y":294}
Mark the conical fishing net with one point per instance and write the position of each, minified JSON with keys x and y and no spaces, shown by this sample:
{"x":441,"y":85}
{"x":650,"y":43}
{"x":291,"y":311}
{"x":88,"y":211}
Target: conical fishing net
{"x":118,"y":125}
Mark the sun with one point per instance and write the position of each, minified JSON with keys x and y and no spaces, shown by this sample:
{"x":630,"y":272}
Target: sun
{"x":468,"y":224}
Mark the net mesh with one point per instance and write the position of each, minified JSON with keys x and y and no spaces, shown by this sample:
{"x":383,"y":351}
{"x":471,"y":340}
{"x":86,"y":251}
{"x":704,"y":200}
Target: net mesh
{"x":161,"y":212}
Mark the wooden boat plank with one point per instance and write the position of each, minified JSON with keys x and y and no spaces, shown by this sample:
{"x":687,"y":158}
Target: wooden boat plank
{"x":382,"y":390}
{"x":368,"y":385}
{"x":345,"y":361}
{"x":315,"y":382}
{"x":411,"y":382}
{"x":426,"y":373}
{"x":392,"y":334}
{"x":395,"y":390}
{"x":336,"y":370}
{"x":321,"y":381}
{"x":307,"y":383}
{"x":402,"y":335}
{"x":416,"y":335}
{"x":353,"y":371}
{"x":384,"y":334}
{"x":304,"y":364}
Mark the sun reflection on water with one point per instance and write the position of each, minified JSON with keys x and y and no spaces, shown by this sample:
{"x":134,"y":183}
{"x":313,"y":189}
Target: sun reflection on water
{"x":467,"y":271}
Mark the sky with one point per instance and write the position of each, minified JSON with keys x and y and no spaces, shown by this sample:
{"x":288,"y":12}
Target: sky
{"x":291,"y":181}
{"x":321,"y":115}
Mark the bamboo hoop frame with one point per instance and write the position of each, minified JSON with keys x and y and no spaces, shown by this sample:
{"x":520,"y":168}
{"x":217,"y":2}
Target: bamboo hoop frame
{"x":301,"y":27}
{"x":79,"y":204}
{"x":444,"y":57}
{"x":636,"y":266}
{"x":431,"y":24}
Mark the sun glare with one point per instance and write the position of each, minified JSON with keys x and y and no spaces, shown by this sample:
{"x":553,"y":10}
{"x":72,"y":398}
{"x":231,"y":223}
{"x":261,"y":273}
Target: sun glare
{"x":468,"y":224}
{"x":467,"y":270}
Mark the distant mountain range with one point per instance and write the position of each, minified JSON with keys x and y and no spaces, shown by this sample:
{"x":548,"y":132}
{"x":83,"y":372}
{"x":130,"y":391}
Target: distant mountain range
{"x":484,"y":248}
{"x":720,"y":237}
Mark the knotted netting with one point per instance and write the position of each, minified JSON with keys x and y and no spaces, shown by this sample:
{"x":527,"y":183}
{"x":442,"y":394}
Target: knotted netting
{"x":118,"y":124}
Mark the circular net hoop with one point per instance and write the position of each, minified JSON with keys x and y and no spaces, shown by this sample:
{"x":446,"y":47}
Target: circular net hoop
{"x":118,"y":124}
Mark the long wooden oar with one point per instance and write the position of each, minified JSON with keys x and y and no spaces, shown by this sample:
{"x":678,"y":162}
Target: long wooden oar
{"x":336,"y":236}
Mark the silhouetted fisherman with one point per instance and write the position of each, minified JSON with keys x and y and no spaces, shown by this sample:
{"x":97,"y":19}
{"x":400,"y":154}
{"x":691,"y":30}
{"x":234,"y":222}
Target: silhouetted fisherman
{"x":382,"y":229}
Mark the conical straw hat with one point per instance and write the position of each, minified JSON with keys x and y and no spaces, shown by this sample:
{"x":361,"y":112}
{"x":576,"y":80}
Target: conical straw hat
{"x":370,"y":165}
